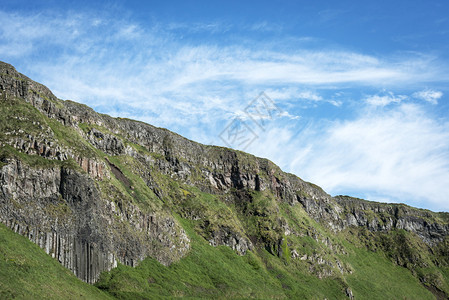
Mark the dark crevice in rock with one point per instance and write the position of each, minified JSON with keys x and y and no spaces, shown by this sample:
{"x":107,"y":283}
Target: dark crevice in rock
{"x":439,"y":294}
{"x":119,"y":175}
{"x":257,"y":188}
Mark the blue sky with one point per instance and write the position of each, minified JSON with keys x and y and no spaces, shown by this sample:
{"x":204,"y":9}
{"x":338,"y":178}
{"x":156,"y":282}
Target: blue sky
{"x":355,"y":93}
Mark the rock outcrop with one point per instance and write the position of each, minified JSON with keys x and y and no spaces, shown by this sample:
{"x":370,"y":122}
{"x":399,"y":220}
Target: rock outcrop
{"x":63,"y":212}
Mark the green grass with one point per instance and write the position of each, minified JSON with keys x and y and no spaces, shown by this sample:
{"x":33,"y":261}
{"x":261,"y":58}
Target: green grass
{"x":34,"y":161}
{"x":27,"y":272}
{"x":207,"y":272}
{"x":376,"y":277}
{"x":218,"y":273}
{"x":18,"y":115}
{"x":19,"y":119}
{"x":209,"y":212}
{"x":139,"y":191}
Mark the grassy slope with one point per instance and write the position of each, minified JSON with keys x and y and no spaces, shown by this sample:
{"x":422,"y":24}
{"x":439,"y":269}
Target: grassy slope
{"x":27,"y":272}
{"x":210,"y":272}
{"x":375,"y":277}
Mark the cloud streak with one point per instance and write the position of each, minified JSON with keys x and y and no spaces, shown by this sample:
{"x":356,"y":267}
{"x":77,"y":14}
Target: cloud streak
{"x":429,"y":95}
{"x":400,"y":154}
{"x":384,"y":100}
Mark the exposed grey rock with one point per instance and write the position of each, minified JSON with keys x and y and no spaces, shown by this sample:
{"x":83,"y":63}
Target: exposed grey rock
{"x":226,"y":237}
{"x":63,"y":212}
{"x":349,"y":293}
{"x":385,"y":217}
{"x":108,"y":143}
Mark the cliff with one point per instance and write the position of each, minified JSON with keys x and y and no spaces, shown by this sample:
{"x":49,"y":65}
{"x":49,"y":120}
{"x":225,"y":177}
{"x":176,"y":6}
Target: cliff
{"x":94,"y":191}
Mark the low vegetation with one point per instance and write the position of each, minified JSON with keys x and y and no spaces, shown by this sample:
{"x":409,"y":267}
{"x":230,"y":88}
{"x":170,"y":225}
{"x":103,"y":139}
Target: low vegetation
{"x":27,"y":272}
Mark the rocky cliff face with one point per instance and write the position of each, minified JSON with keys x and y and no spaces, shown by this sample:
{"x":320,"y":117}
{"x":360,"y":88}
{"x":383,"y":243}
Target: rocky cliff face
{"x":93,"y":190}
{"x":63,"y":212}
{"x":56,"y":200}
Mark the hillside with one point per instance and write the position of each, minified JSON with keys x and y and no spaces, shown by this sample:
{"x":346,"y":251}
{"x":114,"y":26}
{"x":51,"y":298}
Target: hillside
{"x":141,"y":212}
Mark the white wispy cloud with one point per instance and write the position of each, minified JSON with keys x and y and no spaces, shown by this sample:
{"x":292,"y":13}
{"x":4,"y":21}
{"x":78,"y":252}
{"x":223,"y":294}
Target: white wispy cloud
{"x":401,"y":152}
{"x":429,"y":95}
{"x":308,"y":95}
{"x":265,"y":27}
{"x":211,"y":27}
{"x":288,"y":115}
{"x":126,"y":69}
{"x":384,"y":100}
{"x":397,"y":155}
{"x":185,"y":65}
